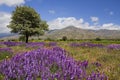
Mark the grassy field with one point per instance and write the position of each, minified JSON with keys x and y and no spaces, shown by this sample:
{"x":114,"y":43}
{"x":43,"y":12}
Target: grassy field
{"x":109,"y":59}
{"x":100,"y":59}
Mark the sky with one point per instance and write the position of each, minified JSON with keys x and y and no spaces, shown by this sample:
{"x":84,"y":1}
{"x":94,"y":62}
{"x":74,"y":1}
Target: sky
{"x":85,"y":14}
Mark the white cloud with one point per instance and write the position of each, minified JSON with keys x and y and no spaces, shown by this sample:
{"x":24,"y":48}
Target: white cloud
{"x":111,"y":13}
{"x":4,"y":21}
{"x":94,"y":19}
{"x":51,"y":11}
{"x":110,"y":26}
{"x":12,"y":2}
{"x":63,"y":22}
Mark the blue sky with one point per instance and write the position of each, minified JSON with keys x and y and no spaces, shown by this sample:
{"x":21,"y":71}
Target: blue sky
{"x":86,"y":14}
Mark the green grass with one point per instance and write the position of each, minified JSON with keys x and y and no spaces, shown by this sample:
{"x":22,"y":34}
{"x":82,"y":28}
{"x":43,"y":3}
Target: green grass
{"x":5,"y":55}
{"x":109,"y":59}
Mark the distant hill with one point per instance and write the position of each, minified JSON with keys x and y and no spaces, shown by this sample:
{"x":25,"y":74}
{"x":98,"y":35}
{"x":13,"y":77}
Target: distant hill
{"x":8,"y":35}
{"x":72,"y":32}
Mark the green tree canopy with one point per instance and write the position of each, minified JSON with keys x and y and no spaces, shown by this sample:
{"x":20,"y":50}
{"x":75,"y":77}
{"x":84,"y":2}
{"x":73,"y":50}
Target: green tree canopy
{"x":26,"y":21}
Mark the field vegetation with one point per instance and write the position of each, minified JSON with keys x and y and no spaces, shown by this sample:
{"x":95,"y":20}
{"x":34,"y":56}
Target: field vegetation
{"x":60,"y":60}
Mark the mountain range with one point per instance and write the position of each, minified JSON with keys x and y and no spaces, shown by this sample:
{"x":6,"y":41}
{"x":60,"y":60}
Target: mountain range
{"x":72,"y":32}
{"x":2,"y":35}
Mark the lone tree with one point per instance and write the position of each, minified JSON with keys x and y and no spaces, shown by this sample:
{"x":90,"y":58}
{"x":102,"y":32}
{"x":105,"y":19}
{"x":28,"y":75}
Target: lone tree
{"x":27,"y":22}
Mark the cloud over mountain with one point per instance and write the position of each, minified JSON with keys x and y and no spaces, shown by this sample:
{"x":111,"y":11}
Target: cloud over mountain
{"x":63,"y":22}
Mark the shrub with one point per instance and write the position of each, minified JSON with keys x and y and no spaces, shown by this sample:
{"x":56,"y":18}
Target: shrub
{"x":98,"y":39}
{"x":64,"y":38}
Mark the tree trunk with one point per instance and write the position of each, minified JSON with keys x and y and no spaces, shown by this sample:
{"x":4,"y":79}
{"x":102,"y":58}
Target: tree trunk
{"x":27,"y":36}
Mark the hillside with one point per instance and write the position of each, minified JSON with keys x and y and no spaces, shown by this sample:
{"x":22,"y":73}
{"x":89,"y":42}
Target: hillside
{"x":76,"y":33}
{"x":72,"y":32}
